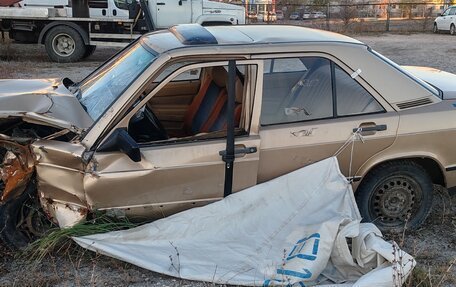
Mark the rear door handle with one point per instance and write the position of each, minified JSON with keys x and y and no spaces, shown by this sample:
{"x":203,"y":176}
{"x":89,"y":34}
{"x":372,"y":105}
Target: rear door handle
{"x":161,"y":3}
{"x":376,"y":128}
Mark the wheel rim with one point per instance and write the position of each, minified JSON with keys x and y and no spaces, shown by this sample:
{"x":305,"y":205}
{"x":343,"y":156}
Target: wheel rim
{"x":395,"y":201}
{"x":63,"y":45}
{"x":31,"y":221}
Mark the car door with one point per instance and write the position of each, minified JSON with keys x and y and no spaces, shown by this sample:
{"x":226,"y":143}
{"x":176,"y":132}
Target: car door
{"x":443,"y":22}
{"x":311,"y":107}
{"x":451,"y":17}
{"x":179,"y":173}
{"x":173,"y":12}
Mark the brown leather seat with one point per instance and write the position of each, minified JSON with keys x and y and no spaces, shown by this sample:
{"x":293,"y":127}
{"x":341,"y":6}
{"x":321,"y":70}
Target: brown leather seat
{"x":207,"y":112}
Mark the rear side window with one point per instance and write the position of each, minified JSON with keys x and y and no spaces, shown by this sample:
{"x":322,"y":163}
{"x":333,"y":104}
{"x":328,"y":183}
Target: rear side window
{"x":352,"y":98}
{"x":311,"y":88}
{"x":297,"y":89}
{"x":453,"y":11}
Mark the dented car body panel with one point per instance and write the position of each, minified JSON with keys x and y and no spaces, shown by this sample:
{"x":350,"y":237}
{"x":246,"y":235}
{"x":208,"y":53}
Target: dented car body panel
{"x":79,"y":171}
{"x":42,"y":101}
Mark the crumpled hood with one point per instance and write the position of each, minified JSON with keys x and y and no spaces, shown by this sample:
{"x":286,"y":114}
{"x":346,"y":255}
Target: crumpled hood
{"x":445,"y":81}
{"x":47,"y":101}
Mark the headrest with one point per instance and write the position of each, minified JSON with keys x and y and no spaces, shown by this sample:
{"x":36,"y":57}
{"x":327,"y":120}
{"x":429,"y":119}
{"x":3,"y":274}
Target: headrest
{"x":219,"y":75}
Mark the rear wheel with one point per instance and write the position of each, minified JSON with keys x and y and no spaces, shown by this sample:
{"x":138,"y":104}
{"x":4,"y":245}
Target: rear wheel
{"x":22,"y":220}
{"x":395,"y":196}
{"x":64,"y":44}
{"x":452,"y":30}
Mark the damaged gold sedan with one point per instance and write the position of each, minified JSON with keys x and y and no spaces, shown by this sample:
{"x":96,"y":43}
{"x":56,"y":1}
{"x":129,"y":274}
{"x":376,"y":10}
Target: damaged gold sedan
{"x":184,"y":117}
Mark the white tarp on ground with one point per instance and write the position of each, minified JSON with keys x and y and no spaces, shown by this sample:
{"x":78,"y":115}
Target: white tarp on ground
{"x":290,"y":230}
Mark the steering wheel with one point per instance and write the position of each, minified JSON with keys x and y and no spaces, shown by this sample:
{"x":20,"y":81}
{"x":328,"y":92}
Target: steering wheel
{"x":159,"y":129}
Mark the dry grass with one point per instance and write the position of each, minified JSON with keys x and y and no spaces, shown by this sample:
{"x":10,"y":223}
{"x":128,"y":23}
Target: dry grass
{"x":433,"y":269}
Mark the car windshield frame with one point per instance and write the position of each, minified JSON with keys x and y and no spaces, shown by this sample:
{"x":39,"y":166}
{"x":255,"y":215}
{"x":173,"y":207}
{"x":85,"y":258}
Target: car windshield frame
{"x":427,"y":86}
{"x":98,"y":91}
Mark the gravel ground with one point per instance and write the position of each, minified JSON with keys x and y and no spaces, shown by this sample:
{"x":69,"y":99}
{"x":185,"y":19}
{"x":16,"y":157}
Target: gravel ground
{"x":434,"y":245}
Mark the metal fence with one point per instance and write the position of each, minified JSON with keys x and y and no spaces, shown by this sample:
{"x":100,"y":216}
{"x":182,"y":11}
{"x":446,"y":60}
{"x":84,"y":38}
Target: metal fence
{"x":349,"y":16}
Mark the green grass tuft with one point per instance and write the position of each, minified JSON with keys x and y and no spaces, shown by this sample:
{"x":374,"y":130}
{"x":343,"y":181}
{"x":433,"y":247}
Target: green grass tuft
{"x":60,"y":240}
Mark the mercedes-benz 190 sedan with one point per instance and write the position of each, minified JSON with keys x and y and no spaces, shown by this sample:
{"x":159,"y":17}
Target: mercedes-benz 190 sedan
{"x":184,"y":117}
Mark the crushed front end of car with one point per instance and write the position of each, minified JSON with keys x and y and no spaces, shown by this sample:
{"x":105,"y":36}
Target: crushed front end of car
{"x":40,"y":159}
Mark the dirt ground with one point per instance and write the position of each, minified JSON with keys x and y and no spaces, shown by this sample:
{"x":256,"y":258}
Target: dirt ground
{"x":434,"y":245}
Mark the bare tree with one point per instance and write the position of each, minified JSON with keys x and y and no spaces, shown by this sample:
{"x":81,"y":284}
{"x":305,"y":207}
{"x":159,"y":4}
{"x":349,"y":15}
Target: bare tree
{"x":347,"y":11}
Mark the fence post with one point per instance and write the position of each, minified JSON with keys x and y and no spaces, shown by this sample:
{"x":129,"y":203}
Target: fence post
{"x":328,"y":14}
{"x":388,"y":15}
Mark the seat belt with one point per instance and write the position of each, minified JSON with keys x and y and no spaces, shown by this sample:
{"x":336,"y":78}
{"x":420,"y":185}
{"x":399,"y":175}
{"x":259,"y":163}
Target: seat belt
{"x":228,"y":156}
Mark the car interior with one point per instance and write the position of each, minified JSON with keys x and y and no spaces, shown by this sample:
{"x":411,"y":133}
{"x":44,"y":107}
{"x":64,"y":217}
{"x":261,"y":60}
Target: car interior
{"x":190,"y":108}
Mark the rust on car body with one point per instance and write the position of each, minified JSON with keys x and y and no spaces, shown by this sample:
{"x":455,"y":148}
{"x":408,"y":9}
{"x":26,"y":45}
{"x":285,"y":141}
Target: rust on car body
{"x":16,"y":169}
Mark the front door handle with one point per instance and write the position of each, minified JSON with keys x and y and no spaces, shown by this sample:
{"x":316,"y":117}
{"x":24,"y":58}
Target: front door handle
{"x":161,"y":3}
{"x":371,"y":128}
{"x":240,"y":151}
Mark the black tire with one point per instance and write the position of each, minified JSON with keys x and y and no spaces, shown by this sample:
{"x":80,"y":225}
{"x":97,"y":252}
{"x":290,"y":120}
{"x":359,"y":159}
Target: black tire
{"x":452,"y":30}
{"x":89,"y":51}
{"x":64,"y":44}
{"x":435,"y":29}
{"x":11,"y":213}
{"x":395,"y":195}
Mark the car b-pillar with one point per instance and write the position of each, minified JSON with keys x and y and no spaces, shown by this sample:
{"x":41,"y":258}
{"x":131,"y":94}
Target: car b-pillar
{"x":228,"y":156}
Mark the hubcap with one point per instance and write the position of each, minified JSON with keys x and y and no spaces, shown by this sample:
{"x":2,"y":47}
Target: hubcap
{"x":395,"y":200}
{"x":63,"y":45}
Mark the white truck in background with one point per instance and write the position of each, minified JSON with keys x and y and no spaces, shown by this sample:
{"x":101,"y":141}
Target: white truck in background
{"x":71,"y":29}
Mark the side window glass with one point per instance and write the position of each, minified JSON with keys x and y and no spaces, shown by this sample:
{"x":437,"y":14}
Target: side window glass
{"x":352,"y":98}
{"x":188,"y":75}
{"x":121,"y":4}
{"x":446,"y":12}
{"x":186,"y":110}
{"x":297,"y":89}
{"x":453,"y":11}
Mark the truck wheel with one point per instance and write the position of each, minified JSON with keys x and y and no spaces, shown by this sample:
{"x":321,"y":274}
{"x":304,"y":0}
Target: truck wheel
{"x":64,"y":44}
{"x":22,"y":220}
{"x":395,"y":195}
{"x":90,"y":49}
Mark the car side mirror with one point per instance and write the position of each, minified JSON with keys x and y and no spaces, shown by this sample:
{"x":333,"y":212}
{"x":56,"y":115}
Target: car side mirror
{"x":180,"y":2}
{"x":120,"y":140}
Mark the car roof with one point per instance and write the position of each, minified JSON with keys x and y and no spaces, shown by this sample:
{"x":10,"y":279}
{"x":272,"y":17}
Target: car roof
{"x":191,"y":35}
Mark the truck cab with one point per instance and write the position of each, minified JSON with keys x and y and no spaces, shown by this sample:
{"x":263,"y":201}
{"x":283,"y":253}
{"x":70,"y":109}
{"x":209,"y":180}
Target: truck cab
{"x":170,"y":12}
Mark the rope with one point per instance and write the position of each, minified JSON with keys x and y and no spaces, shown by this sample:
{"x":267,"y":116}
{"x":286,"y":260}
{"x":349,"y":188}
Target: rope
{"x":356,"y":135}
